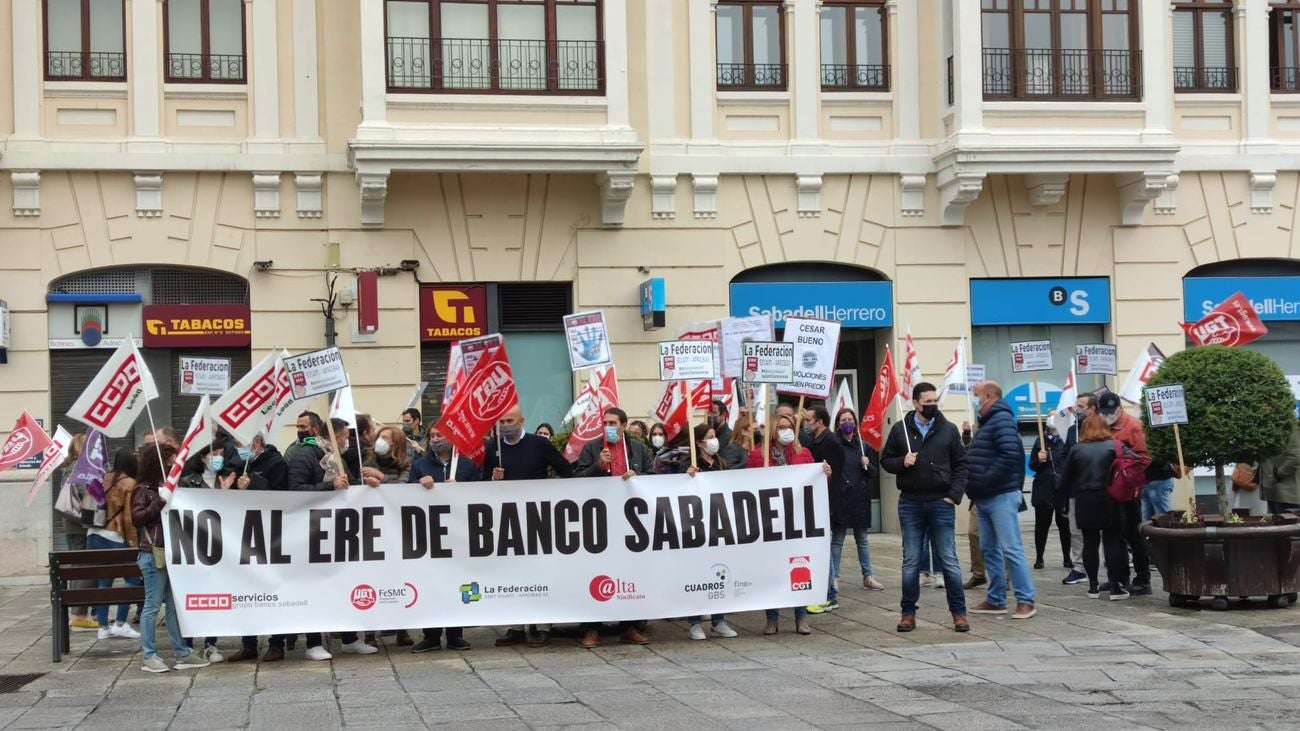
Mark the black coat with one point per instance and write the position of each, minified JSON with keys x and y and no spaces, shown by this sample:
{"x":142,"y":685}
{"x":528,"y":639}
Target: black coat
{"x":526,"y":459}
{"x":268,"y":470}
{"x":1046,"y":474}
{"x":940,"y":469}
{"x":849,"y":485}
{"x":306,"y":474}
{"x":1084,"y":478}
{"x":639,"y":459}
{"x":995,"y":460}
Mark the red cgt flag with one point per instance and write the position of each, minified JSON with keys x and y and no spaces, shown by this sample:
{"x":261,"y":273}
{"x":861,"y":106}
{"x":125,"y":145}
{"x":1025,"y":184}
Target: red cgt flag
{"x":873,"y":420}
{"x":481,"y":399}
{"x":27,"y":439}
{"x":1232,"y":323}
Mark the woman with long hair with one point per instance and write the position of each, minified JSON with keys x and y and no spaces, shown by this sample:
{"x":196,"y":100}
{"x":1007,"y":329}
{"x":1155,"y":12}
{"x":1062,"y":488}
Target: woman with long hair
{"x":1085,"y":478}
{"x":117,"y":532}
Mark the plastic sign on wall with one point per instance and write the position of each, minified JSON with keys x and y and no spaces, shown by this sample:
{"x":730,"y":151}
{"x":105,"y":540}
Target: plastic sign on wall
{"x":1040,"y":301}
{"x":197,"y":326}
{"x":453,"y":312}
{"x":852,"y":304}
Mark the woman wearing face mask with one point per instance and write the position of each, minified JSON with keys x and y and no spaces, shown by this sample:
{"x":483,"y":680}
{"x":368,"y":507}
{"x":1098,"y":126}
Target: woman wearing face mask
{"x":117,"y":532}
{"x":386,"y":463}
{"x":657,"y":436}
{"x":736,"y":451}
{"x":207,"y":469}
{"x":544,"y":430}
{"x":708,"y":459}
{"x":850,"y":484}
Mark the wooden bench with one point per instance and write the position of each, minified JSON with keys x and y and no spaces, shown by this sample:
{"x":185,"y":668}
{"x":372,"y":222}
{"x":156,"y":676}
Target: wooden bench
{"x":67,"y":566}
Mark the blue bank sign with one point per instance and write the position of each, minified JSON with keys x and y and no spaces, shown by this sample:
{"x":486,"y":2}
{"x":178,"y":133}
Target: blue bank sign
{"x":1040,"y":301}
{"x":1274,"y":298}
{"x":852,"y":304}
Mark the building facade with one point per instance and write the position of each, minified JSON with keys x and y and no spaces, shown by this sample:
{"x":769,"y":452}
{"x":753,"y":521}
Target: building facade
{"x":1087,"y":171}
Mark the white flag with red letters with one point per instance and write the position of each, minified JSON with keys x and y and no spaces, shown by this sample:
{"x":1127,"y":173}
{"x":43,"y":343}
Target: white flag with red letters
{"x":245,"y":409}
{"x":118,"y":394}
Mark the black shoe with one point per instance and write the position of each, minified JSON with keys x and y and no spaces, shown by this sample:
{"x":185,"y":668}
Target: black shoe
{"x":1038,"y":564}
{"x":1118,"y":594}
{"x":1106,"y":586}
{"x":1140,"y":589}
{"x":291,"y":643}
{"x":512,"y":637}
{"x":457,"y":643}
{"x":427,"y":645}
{"x":541,"y":639}
{"x":1094,"y":591}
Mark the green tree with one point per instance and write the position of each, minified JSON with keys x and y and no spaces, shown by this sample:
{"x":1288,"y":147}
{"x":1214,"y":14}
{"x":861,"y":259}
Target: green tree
{"x":1239,"y":409}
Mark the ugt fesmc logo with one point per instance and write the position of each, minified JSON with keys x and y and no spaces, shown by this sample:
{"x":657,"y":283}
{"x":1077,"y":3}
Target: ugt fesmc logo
{"x":208,"y":602}
{"x":111,"y":400}
{"x":365,"y":596}
{"x":800,"y":574}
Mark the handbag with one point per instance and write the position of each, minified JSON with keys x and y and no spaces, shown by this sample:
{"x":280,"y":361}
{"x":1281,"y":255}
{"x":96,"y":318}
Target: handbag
{"x":159,"y":558}
{"x":1243,"y":477}
{"x":69,"y":501}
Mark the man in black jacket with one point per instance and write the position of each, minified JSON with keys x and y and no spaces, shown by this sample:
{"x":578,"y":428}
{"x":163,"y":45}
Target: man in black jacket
{"x":925,"y":450}
{"x":613,"y":453}
{"x":267,"y":470}
{"x":1084,"y":406}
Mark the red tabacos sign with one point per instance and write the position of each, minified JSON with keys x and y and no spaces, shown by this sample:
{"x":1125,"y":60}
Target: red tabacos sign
{"x":197,"y":326}
{"x":453,"y":312}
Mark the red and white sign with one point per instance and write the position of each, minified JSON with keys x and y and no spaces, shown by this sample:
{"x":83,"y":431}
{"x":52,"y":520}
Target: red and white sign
{"x":50,"y":461}
{"x":118,"y":394}
{"x":1232,"y":323}
{"x":886,"y":390}
{"x":1147,"y":363}
{"x":484,"y":396}
{"x":599,"y":393}
{"x":209,"y":602}
{"x":911,"y":373}
{"x":245,"y":409}
{"x":200,"y":432}
{"x":26,"y":439}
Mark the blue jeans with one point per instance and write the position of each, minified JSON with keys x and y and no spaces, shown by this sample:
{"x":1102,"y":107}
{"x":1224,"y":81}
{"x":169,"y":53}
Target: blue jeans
{"x":1276,"y":507}
{"x":714,"y":618}
{"x":155,"y":591}
{"x":928,"y":556}
{"x":1000,"y":541}
{"x":799,"y":613}
{"x":837,"y":548}
{"x":1156,"y":498}
{"x":937,"y":520}
{"x":101,"y":610}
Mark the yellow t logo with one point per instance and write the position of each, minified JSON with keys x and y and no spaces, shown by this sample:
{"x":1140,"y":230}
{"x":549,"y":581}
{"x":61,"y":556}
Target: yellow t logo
{"x":446,"y":309}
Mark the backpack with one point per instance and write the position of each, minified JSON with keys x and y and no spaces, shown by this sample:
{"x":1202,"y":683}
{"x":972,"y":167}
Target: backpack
{"x":1128,"y":474}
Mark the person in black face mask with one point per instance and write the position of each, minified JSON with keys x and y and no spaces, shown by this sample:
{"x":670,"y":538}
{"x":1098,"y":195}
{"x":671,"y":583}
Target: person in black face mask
{"x":306,"y":434}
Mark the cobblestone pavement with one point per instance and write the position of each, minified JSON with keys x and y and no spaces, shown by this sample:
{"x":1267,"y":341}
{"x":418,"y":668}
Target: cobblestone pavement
{"x":1079,"y":663}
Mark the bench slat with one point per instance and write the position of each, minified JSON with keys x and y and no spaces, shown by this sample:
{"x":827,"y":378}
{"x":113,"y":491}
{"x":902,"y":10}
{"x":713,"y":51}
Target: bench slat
{"x":94,"y":556}
{"x":109,"y":571}
{"x":115,"y":595}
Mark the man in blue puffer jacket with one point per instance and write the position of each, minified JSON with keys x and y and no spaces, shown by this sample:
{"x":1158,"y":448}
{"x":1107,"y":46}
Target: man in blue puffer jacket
{"x":995,"y":463}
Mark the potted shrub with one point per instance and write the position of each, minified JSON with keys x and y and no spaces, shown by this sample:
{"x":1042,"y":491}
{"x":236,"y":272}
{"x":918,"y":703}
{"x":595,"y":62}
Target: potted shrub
{"x":1239,"y":409}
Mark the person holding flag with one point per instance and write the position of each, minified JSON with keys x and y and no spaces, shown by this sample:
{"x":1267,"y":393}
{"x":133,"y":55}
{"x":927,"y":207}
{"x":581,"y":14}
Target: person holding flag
{"x":614,"y":453}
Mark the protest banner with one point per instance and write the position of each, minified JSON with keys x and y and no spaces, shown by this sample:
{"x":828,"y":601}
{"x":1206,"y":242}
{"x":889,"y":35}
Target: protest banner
{"x":885,"y":392}
{"x":482,"y":397}
{"x":956,"y":375}
{"x":316,"y":372}
{"x":703,"y":392}
{"x":766,"y":362}
{"x":1232,"y":323}
{"x":52,"y":457}
{"x":473,"y":350}
{"x":816,"y":343}
{"x":1097,"y":359}
{"x":200,"y":376}
{"x":735,"y":333}
{"x":284,"y":400}
{"x":1032,"y":356}
{"x":1167,"y":405}
{"x":587,"y":339}
{"x":598,"y":394}
{"x":590,"y":550}
{"x":245,"y":409}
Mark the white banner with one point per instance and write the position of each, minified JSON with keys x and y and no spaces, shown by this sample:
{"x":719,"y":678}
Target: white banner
{"x":816,"y":343}
{"x":317,"y":372}
{"x":588,"y":340}
{"x":203,"y":376}
{"x":735,"y":333}
{"x":589,"y":549}
{"x":1031,"y":355}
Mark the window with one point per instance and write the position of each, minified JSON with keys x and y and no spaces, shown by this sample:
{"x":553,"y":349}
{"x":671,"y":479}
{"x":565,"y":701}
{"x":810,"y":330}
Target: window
{"x":751,"y":45}
{"x":205,"y":40}
{"x":1204,"y":58}
{"x":495,"y":46}
{"x":1284,"y":44}
{"x":1061,"y":49}
{"x":85,"y":40}
{"x":853,"y":36}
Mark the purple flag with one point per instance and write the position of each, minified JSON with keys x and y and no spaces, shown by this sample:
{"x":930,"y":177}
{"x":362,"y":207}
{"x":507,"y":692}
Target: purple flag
{"x":91,"y":465}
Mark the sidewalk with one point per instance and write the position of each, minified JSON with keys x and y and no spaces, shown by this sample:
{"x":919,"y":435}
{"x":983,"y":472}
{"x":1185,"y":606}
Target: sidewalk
{"x":1080,"y":663}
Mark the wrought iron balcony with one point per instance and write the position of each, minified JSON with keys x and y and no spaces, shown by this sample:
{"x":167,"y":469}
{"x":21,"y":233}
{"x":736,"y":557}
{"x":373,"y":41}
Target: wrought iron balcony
{"x":96,"y":66}
{"x":224,"y":68}
{"x":1286,"y":79}
{"x":504,"y":66}
{"x":852,"y":77}
{"x":1209,"y":79}
{"x":751,"y":76}
{"x":1053,"y":74}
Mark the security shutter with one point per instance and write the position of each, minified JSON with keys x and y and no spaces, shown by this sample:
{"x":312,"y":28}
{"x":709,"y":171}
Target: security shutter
{"x":533,"y":305}
{"x":433,"y":368}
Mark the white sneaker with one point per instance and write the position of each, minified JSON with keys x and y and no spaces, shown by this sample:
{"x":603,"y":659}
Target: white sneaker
{"x":722,"y":629}
{"x":213,"y":654}
{"x":123,"y":631}
{"x":318,"y":653}
{"x":358,"y":647}
{"x":154,"y":665}
{"x":938,"y":581}
{"x":105,"y":633}
{"x":192,"y":660}
{"x":696,"y":632}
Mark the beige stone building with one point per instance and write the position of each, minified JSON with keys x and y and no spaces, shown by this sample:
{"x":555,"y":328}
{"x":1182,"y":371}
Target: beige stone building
{"x":1081,"y":170}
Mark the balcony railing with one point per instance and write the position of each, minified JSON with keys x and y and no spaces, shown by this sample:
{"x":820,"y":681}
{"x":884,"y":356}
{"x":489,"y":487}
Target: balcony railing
{"x":1053,"y":74}
{"x":1211,"y":79}
{"x":98,"y":66}
{"x":1286,"y":79}
{"x":751,"y":76}
{"x":225,"y":68}
{"x":480,"y":65}
{"x":849,"y":77}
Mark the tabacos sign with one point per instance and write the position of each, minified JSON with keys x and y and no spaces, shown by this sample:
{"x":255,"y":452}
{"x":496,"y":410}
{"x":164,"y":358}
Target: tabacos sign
{"x":197,"y":326}
{"x":453,"y":312}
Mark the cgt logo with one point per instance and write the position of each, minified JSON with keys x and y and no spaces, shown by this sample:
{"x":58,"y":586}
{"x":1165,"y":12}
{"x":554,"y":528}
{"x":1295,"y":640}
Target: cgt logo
{"x":800,"y":574}
{"x":208,"y":602}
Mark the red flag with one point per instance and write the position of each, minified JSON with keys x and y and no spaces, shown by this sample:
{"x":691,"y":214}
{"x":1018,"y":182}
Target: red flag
{"x":598,"y":394}
{"x":671,"y":410}
{"x":1232,"y":323}
{"x":873,"y":420}
{"x":26,"y":439}
{"x":200,"y":431}
{"x":480,"y":400}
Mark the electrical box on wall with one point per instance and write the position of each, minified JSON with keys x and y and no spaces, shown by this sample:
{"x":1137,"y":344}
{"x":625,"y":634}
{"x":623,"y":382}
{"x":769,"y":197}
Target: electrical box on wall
{"x":368,"y":303}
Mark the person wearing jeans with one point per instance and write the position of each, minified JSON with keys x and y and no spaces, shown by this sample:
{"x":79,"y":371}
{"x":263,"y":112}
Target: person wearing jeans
{"x":1000,"y":526}
{"x":1157,"y":494}
{"x":939,"y":519}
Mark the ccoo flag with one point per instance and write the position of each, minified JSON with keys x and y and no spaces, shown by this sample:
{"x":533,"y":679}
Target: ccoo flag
{"x":118,"y":394}
{"x":1147,"y":363}
{"x":246,"y":408}
{"x":955,"y":374}
{"x":200,"y":431}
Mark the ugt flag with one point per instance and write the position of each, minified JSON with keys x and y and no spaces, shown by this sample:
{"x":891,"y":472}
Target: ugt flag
{"x":26,"y":439}
{"x":118,"y":395}
{"x":886,"y":390}
{"x":1232,"y":323}
{"x":482,"y":398}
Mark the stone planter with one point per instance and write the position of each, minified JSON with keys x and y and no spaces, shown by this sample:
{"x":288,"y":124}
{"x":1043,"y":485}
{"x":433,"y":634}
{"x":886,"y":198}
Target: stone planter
{"x":1226,"y":560}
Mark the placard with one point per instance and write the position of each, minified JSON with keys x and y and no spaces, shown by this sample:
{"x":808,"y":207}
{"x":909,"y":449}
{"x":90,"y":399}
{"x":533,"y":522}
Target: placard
{"x":1166,"y":405}
{"x":736,"y":332}
{"x":815,"y":343}
{"x":472,"y":350}
{"x":687,"y":360}
{"x":1098,"y":359}
{"x":588,"y":340}
{"x":315,"y":372}
{"x":765,"y":362}
{"x":1031,"y":355}
{"x":200,"y":376}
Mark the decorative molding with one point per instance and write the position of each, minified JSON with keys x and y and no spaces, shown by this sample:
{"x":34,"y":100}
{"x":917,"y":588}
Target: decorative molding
{"x":1261,"y":190}
{"x":663,"y":197}
{"x":266,"y":195}
{"x":615,"y":189}
{"x":809,"y":189}
{"x":310,"y":199}
{"x":911,"y":195}
{"x":1135,"y":191}
{"x":148,"y":194}
{"x":374,"y":191}
{"x":1046,"y":189}
{"x":958,"y":193}
{"x":706,"y":196}
{"x":1167,"y":202}
{"x":891,"y":7}
{"x":27,"y":192}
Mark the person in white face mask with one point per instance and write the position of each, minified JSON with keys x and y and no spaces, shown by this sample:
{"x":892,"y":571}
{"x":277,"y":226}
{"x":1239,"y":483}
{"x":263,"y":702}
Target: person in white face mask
{"x":387,"y":463}
{"x":658,"y":438}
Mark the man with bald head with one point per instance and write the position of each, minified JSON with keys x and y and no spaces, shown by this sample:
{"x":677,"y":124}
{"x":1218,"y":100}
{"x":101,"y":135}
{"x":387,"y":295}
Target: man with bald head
{"x":995,"y":479}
